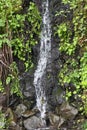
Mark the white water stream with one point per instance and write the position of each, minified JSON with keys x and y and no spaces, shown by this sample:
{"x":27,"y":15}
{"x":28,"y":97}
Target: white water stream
{"x":45,"y":54}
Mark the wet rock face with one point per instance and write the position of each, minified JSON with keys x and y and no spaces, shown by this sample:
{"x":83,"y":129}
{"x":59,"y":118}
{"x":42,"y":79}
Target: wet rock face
{"x":53,"y":67}
{"x":50,"y":79}
{"x":26,"y":82}
{"x":35,"y":53}
{"x":57,"y":97}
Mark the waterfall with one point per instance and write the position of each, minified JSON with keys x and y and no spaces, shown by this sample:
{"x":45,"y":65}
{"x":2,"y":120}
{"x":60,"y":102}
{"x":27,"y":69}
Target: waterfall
{"x":44,"y":57}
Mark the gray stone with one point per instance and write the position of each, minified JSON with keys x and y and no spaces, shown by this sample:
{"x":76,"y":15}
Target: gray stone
{"x":56,"y":120}
{"x":26,"y":83}
{"x":67,"y":111}
{"x":30,"y":113}
{"x":21,"y":108}
{"x":32,"y":123}
{"x":57,"y":97}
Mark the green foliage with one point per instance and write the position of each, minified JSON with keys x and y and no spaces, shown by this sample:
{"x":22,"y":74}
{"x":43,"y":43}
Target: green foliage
{"x":73,"y":46}
{"x":13,"y":80}
{"x":65,"y":36}
{"x":84,"y":126}
{"x":13,"y":31}
{"x":25,"y":38}
{"x":20,"y":31}
{"x":7,"y":8}
{"x":1,"y":87}
{"x":2,"y":120}
{"x":73,"y":4}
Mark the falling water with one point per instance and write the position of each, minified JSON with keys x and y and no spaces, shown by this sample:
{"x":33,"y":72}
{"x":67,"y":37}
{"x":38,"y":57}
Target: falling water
{"x":45,"y":54}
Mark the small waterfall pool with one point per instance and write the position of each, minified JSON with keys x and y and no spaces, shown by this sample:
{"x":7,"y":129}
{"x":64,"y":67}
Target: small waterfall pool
{"x":45,"y":54}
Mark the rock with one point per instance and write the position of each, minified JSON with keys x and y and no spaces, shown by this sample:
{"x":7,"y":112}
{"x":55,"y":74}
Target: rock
{"x":21,"y":108}
{"x":56,"y":98}
{"x":26,"y":83}
{"x":32,"y":123}
{"x":56,"y":120}
{"x":30,"y":113}
{"x":29,"y":103}
{"x":3,"y":99}
{"x":58,"y":95}
{"x":53,"y":118}
{"x":29,"y":90}
{"x":67,"y":111}
{"x":17,"y":127}
{"x":35,"y":52}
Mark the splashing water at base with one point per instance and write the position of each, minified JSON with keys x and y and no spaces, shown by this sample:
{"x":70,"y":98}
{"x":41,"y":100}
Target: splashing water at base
{"x":45,"y":55}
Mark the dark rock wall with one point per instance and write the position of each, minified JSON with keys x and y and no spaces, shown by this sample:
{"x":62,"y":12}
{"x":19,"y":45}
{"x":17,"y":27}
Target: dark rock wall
{"x":53,"y":90}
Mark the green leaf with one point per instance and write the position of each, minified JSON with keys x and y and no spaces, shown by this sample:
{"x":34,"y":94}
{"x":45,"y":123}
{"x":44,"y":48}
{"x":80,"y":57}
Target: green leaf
{"x":2,"y":23}
{"x":8,"y":80}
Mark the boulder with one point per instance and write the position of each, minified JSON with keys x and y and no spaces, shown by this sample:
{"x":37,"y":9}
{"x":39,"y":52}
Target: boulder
{"x":27,"y":87}
{"x":56,"y":120}
{"x":67,"y":111}
{"x":3,"y":100}
{"x":56,"y":98}
{"x":21,"y":108}
{"x":32,"y":123}
{"x":29,"y":113}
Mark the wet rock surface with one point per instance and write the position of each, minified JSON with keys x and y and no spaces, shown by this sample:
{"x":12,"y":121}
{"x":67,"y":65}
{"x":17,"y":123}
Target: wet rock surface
{"x":57,"y":96}
{"x":27,"y":87}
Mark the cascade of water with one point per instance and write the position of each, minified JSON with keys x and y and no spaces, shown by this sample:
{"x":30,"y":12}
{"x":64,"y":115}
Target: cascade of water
{"x":45,"y":54}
